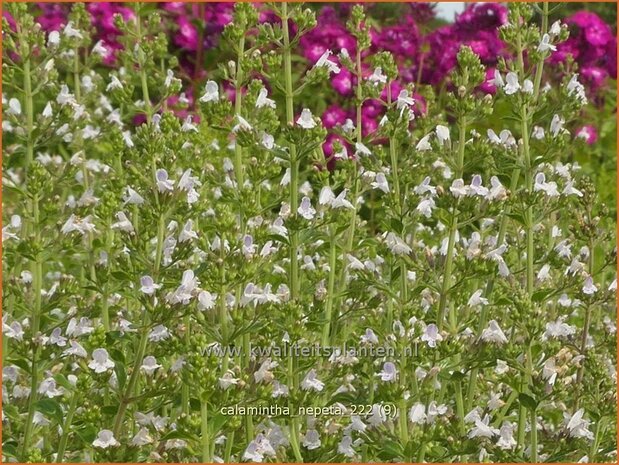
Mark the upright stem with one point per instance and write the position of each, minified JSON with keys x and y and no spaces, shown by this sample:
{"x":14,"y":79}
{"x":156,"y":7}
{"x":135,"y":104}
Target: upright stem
{"x":350,"y":236}
{"x":294,"y":164}
{"x":37,"y":284}
{"x":141,"y":351}
{"x":238,"y":105}
{"x":453,"y":229}
{"x":530,"y":247}
{"x":37,"y":271}
{"x":66,"y":428}
{"x":533,"y":436}
{"x":504,"y":219}
{"x":206,"y":452}
{"x":28,"y":103}
{"x":294,"y":205}
{"x":330,"y":289}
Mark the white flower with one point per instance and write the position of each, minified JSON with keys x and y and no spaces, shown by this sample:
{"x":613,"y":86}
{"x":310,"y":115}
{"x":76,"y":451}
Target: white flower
{"x":493,"y":333}
{"x":163,"y":183}
{"x":558,"y":329}
{"x":589,"y":288}
{"x":550,"y":188}
{"x":389,"y":372}
{"x":381,"y":183}
{"x":263,"y":100}
{"x":377,"y":77}
{"x":506,"y":436}
{"x":99,"y":49}
{"x":311,"y":440}
{"x":512,"y":85}
{"x":141,"y":438}
{"x":425,"y":187}
{"x":101,"y":361}
{"x":497,"y":191}
{"x":70,"y":31}
{"x":310,"y":382}
{"x":577,"y":89}
{"x":123,"y":223}
{"x":268,"y":141}
{"x":159,"y":333}
{"x":556,"y":125}
{"x":14,"y":107}
{"x":458,"y":189}
{"x":76,"y":349}
{"x":305,"y":209}
{"x":544,"y":273}
{"x":324,"y":61}
{"x":149,"y":365}
{"x":369,"y":337}
{"x":48,"y":388}
{"x":81,"y":225}
{"x":545,"y":44}
{"x":326,"y":196}
{"x":306,"y":120}
{"x":148,"y":286}
{"x":482,"y":429}
{"x":105,"y":439}
{"x":538,"y":133}
{"x":227,"y":380}
{"x":498,"y":79}
{"x":442,"y":133}
{"x":114,"y":84}
{"x":417,"y":413}
{"x":431,"y":335}
{"x":577,"y":426}
{"x":404,"y":101}
{"x":345,"y":447}
{"x":396,"y":245}
{"x":206,"y":300}
{"x":361,"y":149}
{"x":476,"y":299}
{"x":211,"y":92}
{"x":426,"y":206}
{"x":340,"y":201}
{"x":424,"y":143}
{"x":53,"y":39}
{"x":527,"y":86}
{"x":13,"y":331}
{"x":555,"y":28}
{"x":187,"y":233}
{"x":242,"y":124}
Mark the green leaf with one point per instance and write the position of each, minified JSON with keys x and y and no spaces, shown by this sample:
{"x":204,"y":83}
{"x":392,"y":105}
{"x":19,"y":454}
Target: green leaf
{"x":50,"y":408}
{"x":109,"y":409}
{"x":64,"y":382}
{"x":121,"y":375}
{"x":528,"y":401}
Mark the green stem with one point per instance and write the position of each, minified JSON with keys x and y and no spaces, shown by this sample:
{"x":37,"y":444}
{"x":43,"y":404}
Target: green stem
{"x":125,"y":400}
{"x":453,"y":230}
{"x":330,"y":289}
{"x":460,"y":408}
{"x":294,"y":205}
{"x":66,"y":428}
{"x":206,"y":452}
{"x":533,"y":436}
{"x":294,"y":163}
{"x":28,"y":106}
{"x":37,"y":284}
{"x":238,"y":105}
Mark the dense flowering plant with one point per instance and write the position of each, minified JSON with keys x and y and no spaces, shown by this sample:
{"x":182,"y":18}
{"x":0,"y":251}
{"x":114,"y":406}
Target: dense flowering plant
{"x":265,"y":233}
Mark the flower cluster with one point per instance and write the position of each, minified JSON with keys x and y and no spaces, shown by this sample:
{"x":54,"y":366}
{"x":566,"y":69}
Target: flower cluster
{"x":197,"y":260}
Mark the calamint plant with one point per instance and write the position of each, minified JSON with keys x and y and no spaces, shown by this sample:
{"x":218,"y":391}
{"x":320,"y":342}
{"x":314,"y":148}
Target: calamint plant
{"x":206,"y":260}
